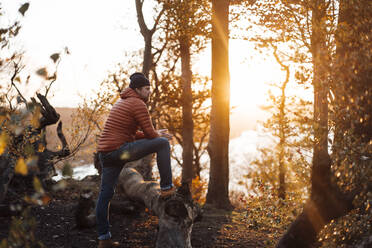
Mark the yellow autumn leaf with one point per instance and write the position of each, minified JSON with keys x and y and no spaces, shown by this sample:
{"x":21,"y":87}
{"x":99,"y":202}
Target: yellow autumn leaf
{"x":3,"y":142}
{"x":114,"y":99}
{"x":31,"y":200}
{"x":37,"y":185}
{"x":41,"y":148}
{"x":4,"y":243}
{"x":45,"y":199}
{"x":21,"y":167}
{"x":35,"y":118}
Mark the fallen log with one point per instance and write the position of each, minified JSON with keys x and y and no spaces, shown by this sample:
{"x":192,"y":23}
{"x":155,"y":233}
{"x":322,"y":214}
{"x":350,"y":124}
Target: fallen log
{"x":176,"y":213}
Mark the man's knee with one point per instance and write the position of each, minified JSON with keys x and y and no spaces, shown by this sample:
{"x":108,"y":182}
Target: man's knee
{"x":163,"y":141}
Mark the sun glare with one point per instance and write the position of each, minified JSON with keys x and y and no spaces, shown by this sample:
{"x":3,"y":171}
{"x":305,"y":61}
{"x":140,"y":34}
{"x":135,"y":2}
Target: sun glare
{"x":252,"y":75}
{"x":250,"y":78}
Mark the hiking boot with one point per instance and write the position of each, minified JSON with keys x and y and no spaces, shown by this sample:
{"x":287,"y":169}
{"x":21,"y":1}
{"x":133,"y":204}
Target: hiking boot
{"x":167,"y":192}
{"x":107,"y":243}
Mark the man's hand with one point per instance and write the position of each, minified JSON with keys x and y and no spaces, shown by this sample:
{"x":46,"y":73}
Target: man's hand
{"x":164,"y":133}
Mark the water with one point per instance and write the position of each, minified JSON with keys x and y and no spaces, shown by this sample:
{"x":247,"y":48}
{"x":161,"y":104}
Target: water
{"x":79,"y":172}
{"x":243,"y":150}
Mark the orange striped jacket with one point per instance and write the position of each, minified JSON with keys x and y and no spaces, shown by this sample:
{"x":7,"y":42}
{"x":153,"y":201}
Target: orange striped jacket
{"x":127,"y":115}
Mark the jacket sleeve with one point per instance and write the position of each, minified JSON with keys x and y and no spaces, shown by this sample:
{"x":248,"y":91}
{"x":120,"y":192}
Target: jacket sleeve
{"x":142,"y":117}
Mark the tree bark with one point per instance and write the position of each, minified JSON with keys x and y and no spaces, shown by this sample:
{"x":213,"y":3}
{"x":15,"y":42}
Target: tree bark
{"x":187,"y":122}
{"x":320,"y":176}
{"x":218,"y":146}
{"x":353,"y":97}
{"x":147,"y":36}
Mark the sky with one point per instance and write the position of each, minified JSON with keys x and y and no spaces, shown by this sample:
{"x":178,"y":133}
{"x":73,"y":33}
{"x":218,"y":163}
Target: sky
{"x":99,"y":33}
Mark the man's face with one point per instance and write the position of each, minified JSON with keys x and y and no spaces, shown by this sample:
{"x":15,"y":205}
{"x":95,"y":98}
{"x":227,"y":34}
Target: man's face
{"x":144,"y":92}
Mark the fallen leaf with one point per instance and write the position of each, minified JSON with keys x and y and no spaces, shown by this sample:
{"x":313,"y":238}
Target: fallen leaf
{"x":3,"y":142}
{"x":37,"y":185}
{"x":41,"y":148}
{"x":21,"y":167}
{"x":35,"y":117}
{"x":45,"y":199}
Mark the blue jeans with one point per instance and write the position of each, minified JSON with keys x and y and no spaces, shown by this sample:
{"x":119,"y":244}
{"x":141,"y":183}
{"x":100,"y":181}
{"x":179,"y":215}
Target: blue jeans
{"x":112,"y":164}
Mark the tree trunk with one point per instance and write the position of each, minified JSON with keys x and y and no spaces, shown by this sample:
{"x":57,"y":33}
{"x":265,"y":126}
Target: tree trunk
{"x":196,"y":163}
{"x":147,"y":36}
{"x":147,"y":55}
{"x":353,"y":97}
{"x":327,"y":202}
{"x":176,"y":214}
{"x":6,"y":173}
{"x":145,"y":164}
{"x":282,"y":129}
{"x":321,"y":161}
{"x":303,"y":231}
{"x":282,"y":168}
{"x":187,"y":122}
{"x":218,"y":146}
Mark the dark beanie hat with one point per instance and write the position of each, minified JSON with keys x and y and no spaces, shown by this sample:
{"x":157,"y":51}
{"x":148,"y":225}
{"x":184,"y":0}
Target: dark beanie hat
{"x":138,"y":80}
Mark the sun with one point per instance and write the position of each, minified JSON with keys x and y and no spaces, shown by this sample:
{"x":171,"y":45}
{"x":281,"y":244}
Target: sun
{"x":250,"y":78}
{"x":251,"y":73}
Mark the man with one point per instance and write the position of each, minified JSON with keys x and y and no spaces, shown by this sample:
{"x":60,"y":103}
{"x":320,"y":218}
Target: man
{"x":122,"y":142}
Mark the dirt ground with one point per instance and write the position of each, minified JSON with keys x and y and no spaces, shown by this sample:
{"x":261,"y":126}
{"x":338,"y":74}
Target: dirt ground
{"x":56,"y":225}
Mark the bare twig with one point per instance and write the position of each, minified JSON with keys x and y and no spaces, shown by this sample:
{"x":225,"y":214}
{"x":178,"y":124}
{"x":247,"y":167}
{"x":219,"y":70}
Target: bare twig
{"x":17,"y":69}
{"x":47,"y":88}
{"x":9,"y":99}
{"x":156,"y":22}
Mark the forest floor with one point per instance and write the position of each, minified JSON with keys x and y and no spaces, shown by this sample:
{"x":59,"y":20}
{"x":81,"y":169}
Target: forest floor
{"x":56,"y":225}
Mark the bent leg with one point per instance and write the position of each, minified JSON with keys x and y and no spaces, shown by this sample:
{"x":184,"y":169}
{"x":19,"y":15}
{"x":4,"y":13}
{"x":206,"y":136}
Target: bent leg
{"x":140,"y":148}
